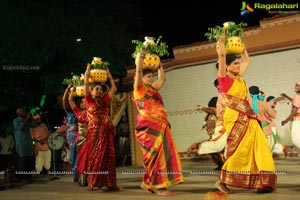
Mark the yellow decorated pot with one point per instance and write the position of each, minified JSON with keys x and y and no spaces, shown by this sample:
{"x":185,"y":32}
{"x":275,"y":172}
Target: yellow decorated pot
{"x":79,"y":91}
{"x":234,"y":45}
{"x":90,"y":80}
{"x":98,"y":75}
{"x":151,"y":61}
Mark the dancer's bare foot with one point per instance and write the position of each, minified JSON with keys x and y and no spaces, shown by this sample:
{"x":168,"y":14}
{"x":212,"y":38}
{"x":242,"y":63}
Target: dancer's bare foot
{"x":90,"y":188}
{"x":165,"y":192}
{"x":148,"y":191}
{"x":222,"y":187}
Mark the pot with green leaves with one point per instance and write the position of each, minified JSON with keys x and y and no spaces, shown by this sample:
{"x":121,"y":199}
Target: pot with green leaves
{"x":98,"y":71}
{"x":154,"y":50}
{"x":77,"y":83}
{"x":234,"y":36}
{"x":79,"y":91}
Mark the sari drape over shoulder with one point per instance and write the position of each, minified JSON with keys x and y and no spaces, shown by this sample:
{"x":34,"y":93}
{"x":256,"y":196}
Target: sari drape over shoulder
{"x":160,"y":158}
{"x":80,"y":138}
{"x":98,"y":149}
{"x":249,"y":163}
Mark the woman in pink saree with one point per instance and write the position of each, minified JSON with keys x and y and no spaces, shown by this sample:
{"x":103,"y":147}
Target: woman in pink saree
{"x":99,"y":144}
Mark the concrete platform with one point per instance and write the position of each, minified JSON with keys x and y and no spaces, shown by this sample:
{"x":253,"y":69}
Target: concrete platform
{"x":199,"y":180}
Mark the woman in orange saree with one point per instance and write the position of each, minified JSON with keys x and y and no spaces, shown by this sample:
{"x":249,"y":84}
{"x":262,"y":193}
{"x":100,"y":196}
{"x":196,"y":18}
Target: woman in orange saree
{"x":161,"y":161}
{"x":99,"y":144}
{"x":249,"y":163}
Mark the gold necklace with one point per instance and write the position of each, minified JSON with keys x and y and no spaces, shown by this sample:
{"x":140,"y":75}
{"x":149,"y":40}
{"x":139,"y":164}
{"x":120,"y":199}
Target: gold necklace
{"x":96,"y":100}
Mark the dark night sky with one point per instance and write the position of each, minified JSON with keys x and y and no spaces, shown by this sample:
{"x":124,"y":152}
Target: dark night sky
{"x":186,"y":22}
{"x":27,"y":39}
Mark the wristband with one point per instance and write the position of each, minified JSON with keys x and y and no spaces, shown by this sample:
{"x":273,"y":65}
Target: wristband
{"x":142,"y":55}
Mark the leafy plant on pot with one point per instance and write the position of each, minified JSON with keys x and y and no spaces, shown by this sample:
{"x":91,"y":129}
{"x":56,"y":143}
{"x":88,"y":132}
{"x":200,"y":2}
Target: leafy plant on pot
{"x":154,"y":50}
{"x":234,"y":35}
{"x":98,"y":71}
{"x":77,"y":83}
{"x":67,"y":81}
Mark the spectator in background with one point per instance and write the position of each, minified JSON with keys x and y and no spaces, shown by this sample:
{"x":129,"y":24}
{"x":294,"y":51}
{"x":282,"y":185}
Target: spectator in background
{"x":266,"y":114}
{"x":23,"y":144}
{"x":40,"y":134}
{"x":7,"y":145}
{"x":213,"y":146}
{"x":277,"y":147}
{"x":217,"y":143}
{"x":294,"y":115}
{"x":123,"y":144}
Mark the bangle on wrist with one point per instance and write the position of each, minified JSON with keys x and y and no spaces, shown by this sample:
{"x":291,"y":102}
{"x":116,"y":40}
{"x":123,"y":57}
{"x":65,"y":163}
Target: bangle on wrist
{"x":142,"y":55}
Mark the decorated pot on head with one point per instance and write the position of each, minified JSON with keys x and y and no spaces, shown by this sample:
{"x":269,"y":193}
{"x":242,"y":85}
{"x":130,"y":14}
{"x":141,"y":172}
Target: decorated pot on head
{"x":233,"y":32}
{"x":234,"y":44}
{"x":82,"y":78}
{"x":98,"y":72}
{"x":153,"y":52}
{"x":78,"y":85}
{"x":79,"y":91}
{"x":149,"y":41}
{"x":151,"y":61}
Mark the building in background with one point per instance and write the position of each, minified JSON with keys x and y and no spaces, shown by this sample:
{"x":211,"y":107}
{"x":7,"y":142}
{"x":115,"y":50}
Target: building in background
{"x":274,"y":47}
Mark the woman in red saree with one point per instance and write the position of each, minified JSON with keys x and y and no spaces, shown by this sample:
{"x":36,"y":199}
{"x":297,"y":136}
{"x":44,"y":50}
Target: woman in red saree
{"x":160,"y":158}
{"x":249,"y":163}
{"x":99,"y":144}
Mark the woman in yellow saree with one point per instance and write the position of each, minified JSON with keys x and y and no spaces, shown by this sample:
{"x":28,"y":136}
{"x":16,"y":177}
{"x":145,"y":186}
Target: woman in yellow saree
{"x":160,"y":157}
{"x":249,"y":163}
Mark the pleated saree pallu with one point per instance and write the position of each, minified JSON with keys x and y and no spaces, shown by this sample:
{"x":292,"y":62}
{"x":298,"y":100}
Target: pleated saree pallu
{"x":161,"y":161}
{"x":249,"y":163}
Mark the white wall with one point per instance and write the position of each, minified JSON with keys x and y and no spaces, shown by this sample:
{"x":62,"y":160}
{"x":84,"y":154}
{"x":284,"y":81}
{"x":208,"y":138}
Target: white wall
{"x":186,"y":87}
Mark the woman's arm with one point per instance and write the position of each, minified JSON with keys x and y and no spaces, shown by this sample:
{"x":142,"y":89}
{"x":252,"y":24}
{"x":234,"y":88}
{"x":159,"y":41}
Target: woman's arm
{"x":113,"y":87}
{"x":222,"y":56}
{"x":87,"y":75}
{"x":290,"y":117}
{"x":65,"y":97}
{"x":287,"y":97}
{"x":138,"y":80}
{"x":208,"y":110}
{"x":245,"y":61}
{"x":161,"y":78}
{"x":71,"y":101}
{"x":277,"y":100}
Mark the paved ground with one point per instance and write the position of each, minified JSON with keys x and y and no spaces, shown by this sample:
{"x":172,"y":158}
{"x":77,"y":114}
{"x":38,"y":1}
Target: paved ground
{"x":195,"y":187}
